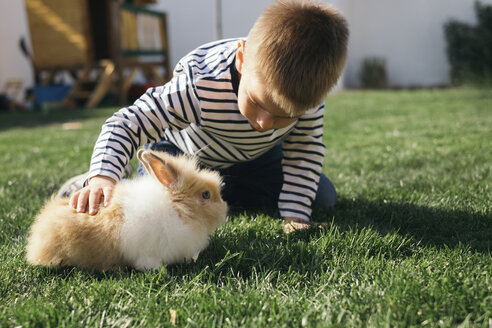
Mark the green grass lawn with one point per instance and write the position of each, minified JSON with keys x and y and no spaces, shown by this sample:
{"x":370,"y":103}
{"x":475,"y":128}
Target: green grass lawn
{"x":409,"y":243}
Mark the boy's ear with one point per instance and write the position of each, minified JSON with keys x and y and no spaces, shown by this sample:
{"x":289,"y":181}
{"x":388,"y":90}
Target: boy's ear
{"x":240,"y":55}
{"x":163,"y":171}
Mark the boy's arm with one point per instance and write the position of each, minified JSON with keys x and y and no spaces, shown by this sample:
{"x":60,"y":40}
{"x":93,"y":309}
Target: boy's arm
{"x":303,"y":152}
{"x":173,"y":105}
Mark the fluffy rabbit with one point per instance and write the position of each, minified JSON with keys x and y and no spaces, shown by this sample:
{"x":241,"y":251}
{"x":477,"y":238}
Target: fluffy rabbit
{"x":164,"y":217}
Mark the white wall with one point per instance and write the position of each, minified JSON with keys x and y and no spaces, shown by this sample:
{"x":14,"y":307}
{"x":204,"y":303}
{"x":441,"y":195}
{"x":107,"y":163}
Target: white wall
{"x":13,"y":26}
{"x":409,"y":34}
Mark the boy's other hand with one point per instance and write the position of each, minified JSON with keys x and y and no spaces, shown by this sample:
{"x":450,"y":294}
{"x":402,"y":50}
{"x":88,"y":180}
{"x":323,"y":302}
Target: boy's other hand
{"x":98,"y":188}
{"x":292,"y":224}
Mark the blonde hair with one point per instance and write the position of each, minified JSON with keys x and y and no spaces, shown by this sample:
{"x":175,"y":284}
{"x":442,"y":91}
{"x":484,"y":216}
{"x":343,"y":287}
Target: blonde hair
{"x":298,"y":50}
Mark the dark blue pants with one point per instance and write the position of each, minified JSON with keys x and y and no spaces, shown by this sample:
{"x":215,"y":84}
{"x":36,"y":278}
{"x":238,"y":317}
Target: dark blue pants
{"x":255,"y":184}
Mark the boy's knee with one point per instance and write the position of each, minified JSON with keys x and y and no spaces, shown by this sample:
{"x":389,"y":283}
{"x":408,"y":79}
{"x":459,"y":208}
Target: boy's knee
{"x":163,"y":145}
{"x":326,"y":197}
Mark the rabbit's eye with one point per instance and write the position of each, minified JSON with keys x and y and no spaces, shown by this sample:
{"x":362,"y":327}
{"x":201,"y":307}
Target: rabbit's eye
{"x":206,"y":194}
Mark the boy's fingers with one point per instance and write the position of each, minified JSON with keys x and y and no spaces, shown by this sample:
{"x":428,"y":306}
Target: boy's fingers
{"x":294,"y":226}
{"x":94,"y":200}
{"x":73,"y":200}
{"x":291,"y":226}
{"x":108,"y":193}
{"x":82,"y":200}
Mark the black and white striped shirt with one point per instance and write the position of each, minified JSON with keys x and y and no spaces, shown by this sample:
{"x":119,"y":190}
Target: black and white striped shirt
{"x":197,"y":111}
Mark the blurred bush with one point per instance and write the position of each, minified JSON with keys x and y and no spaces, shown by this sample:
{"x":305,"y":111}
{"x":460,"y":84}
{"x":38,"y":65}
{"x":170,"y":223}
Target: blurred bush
{"x":469,"y":48}
{"x":373,"y":73}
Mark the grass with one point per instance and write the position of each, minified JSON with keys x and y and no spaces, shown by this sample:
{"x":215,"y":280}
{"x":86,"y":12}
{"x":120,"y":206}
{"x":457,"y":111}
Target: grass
{"x":409,"y":243}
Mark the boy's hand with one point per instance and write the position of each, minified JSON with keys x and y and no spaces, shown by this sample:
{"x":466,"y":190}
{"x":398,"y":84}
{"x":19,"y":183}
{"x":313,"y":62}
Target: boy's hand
{"x":292,"y":224}
{"x":98,"y":187}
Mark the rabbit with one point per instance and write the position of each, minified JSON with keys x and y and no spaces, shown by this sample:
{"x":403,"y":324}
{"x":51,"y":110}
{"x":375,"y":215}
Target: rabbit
{"x":164,"y":217}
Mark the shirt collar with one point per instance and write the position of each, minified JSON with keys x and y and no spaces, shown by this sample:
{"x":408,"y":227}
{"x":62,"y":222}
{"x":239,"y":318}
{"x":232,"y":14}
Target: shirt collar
{"x":234,"y":76}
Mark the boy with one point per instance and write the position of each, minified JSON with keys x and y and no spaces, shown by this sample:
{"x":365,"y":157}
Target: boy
{"x":250,"y":108}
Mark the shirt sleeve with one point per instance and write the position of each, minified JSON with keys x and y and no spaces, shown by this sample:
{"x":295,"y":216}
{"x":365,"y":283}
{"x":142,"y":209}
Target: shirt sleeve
{"x":171,"y":106}
{"x":303,"y":155}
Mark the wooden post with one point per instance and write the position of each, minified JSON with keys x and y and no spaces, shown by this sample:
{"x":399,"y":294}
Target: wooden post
{"x":116,"y":48}
{"x":165,"y":46}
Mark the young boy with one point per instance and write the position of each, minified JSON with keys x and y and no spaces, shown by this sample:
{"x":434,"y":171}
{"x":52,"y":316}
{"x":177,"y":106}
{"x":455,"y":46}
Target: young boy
{"x":250,"y":108}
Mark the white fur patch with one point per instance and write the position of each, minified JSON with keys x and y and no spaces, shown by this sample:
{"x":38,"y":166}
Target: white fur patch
{"x":152,"y":233}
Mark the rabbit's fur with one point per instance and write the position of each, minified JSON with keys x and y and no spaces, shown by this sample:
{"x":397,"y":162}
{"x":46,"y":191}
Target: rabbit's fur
{"x":162,"y":218}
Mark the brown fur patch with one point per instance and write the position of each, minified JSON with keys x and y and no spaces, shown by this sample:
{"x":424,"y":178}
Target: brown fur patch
{"x":62,"y":237}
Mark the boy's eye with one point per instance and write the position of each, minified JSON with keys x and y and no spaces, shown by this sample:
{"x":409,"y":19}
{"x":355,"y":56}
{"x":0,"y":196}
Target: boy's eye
{"x":252,"y":102}
{"x":206,"y":194}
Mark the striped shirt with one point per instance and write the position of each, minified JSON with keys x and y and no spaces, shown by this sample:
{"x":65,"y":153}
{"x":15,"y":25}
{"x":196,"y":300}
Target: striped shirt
{"x":197,"y":110}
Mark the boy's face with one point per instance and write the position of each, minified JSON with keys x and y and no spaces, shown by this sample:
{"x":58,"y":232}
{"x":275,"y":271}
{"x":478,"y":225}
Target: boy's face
{"x":254,"y":104}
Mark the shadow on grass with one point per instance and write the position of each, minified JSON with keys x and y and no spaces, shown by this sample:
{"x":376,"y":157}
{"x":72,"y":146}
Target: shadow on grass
{"x":425,"y":225}
{"x":429,"y":226}
{"x":9,"y":120}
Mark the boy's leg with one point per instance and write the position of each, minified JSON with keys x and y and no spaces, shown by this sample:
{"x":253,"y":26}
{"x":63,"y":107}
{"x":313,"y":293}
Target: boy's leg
{"x":326,"y":197}
{"x":76,"y":183}
{"x":257,"y":184}
{"x":72,"y":185}
{"x":164,"y":146}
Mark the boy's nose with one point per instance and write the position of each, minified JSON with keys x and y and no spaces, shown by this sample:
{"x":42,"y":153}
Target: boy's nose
{"x":264,"y":122}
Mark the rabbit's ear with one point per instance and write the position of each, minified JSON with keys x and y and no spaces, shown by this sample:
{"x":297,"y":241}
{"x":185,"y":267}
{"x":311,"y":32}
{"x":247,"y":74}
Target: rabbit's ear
{"x":156,"y":166}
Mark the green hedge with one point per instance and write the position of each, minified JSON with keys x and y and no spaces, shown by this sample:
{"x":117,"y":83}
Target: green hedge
{"x":373,"y":73}
{"x":469,"y":47}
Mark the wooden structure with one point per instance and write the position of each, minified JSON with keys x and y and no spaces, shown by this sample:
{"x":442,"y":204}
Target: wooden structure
{"x":102,"y":43}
